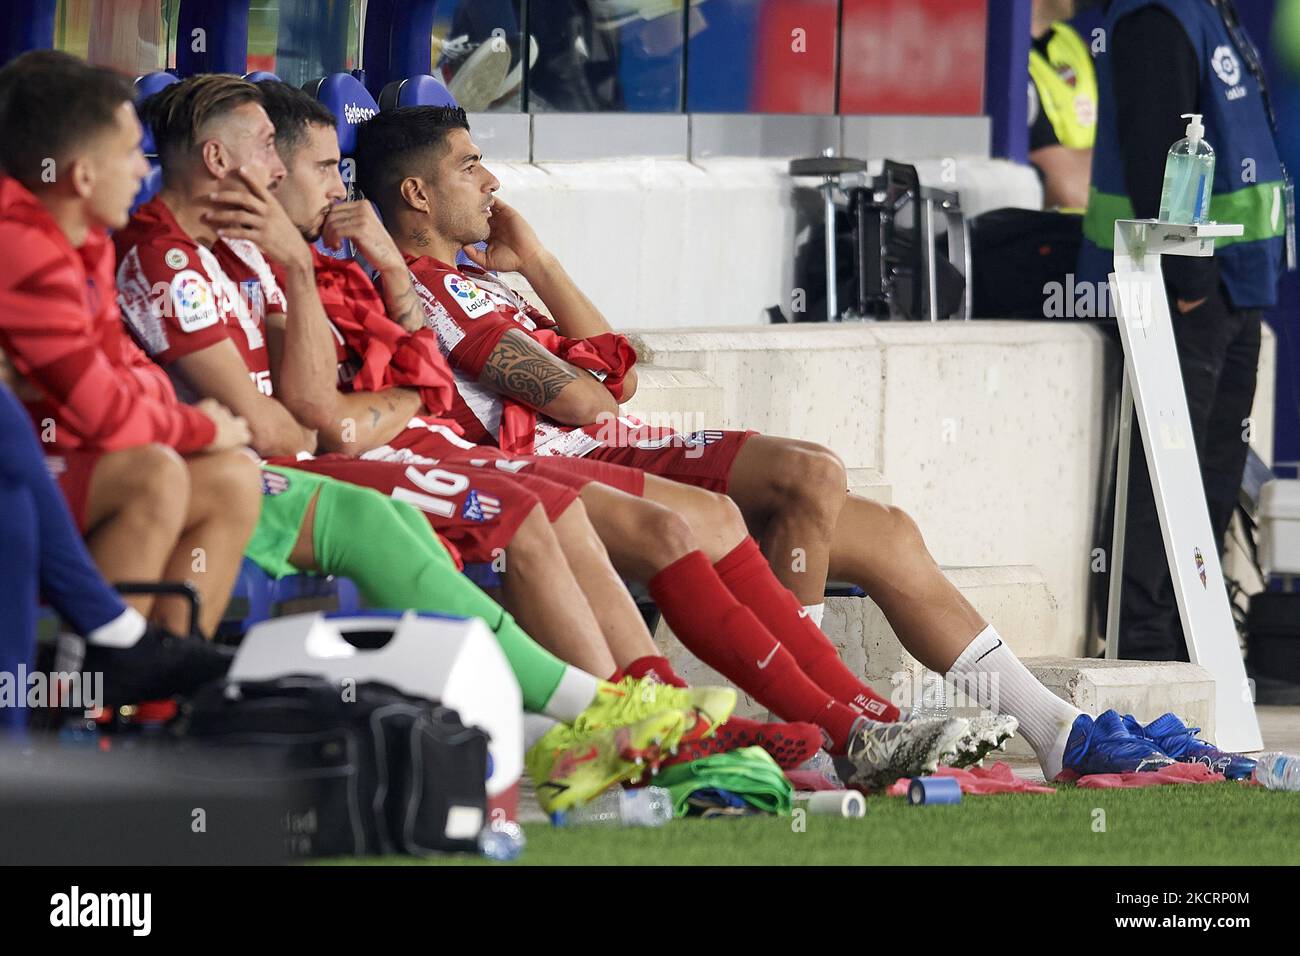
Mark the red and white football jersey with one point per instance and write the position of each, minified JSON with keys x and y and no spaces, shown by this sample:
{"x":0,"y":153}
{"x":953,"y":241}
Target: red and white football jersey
{"x":179,"y":297}
{"x":470,"y":310}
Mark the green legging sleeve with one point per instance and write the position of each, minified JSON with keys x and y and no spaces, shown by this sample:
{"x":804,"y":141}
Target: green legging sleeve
{"x":389,"y":550}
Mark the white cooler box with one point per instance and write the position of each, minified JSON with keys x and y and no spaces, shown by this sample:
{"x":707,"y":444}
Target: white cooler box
{"x":1279,"y":526}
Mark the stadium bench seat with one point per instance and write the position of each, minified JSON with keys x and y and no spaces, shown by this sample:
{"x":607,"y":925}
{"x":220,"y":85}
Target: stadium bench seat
{"x":420,"y":90}
{"x":257,"y":597}
{"x":145,"y":87}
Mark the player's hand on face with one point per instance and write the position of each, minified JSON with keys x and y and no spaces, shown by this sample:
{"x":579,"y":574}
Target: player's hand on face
{"x":232,"y":431}
{"x":244,"y":208}
{"x":358,"y":222}
{"x":512,"y":244}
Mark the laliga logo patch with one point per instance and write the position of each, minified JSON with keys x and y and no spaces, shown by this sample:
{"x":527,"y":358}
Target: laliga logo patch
{"x":472,"y":300}
{"x":192,"y":298}
{"x":1225,"y":65}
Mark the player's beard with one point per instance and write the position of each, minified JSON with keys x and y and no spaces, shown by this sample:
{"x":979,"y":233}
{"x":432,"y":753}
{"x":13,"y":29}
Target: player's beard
{"x":466,"y":229}
{"x":481,"y":232}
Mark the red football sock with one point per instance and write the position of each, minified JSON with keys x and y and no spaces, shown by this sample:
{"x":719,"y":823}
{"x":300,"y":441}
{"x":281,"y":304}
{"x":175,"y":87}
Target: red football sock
{"x":726,"y":635}
{"x":658,"y":666}
{"x":788,"y":744}
{"x":748,"y":576}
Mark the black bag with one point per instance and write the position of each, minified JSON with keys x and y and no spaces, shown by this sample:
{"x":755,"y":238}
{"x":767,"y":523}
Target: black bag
{"x":1273,"y":636}
{"x":878,"y":262}
{"x":372,"y":770}
{"x":1015,"y":254}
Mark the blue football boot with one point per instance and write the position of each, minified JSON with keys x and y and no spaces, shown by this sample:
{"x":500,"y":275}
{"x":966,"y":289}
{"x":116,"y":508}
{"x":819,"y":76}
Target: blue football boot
{"x":1106,"y":745}
{"x":1180,"y":742}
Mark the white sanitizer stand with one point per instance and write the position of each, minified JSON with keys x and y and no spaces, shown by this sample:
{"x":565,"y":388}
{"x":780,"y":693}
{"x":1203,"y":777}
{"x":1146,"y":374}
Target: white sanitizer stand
{"x":1153,"y":380}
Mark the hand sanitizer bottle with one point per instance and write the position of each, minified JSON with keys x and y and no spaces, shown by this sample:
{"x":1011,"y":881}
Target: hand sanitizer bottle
{"x":1189,"y":172}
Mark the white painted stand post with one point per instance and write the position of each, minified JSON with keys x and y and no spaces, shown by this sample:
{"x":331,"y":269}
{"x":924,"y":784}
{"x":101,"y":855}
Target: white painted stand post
{"x":1153,"y":379}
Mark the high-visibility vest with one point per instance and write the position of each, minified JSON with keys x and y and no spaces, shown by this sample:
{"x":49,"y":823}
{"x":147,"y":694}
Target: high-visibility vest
{"x":1067,"y":86}
{"x":1248,"y":185}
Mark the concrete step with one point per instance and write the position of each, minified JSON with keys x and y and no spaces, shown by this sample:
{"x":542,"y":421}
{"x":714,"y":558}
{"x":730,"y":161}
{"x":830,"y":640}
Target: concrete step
{"x":870,"y":483}
{"x":1145,"y":689}
{"x":1014,"y":597}
{"x":685,"y":399}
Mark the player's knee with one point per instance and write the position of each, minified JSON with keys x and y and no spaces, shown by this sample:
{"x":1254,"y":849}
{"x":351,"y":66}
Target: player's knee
{"x":534,"y":539}
{"x":234,"y":479}
{"x":666,"y":533}
{"x":903,"y":531}
{"x":810,"y":475}
{"x":827,"y":477}
{"x":725,"y":516}
{"x":159,"y":484}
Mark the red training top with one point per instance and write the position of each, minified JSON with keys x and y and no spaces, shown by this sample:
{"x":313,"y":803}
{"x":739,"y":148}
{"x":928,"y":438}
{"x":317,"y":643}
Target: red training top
{"x":60,"y":326}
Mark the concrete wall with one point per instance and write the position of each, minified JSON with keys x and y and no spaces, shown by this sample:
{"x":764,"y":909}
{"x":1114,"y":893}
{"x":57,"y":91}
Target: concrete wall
{"x":991,"y":434}
{"x":668,"y":243}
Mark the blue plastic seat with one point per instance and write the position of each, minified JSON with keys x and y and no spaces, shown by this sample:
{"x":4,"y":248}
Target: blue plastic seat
{"x":420,"y":90}
{"x":145,"y":87}
{"x":257,"y":597}
{"x":349,"y":101}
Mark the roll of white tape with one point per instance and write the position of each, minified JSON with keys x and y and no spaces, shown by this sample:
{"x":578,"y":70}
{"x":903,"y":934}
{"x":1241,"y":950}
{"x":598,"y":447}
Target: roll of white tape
{"x":835,"y":803}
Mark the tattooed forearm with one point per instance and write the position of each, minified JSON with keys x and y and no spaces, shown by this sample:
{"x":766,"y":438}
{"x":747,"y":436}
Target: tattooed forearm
{"x":408,"y":312}
{"x":522,"y":369}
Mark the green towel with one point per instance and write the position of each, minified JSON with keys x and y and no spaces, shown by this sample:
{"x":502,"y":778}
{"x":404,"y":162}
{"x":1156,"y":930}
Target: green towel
{"x":749,"y":773}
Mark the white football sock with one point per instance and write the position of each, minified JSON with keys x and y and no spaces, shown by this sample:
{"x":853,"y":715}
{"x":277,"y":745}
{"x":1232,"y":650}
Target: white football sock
{"x":535,"y":728}
{"x":989,"y":671}
{"x":123,"y":631}
{"x":575,"y":692}
{"x":815,"y":611}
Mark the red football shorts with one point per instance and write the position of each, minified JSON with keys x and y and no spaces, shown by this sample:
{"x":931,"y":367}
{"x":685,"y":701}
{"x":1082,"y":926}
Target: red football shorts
{"x":478,"y":510}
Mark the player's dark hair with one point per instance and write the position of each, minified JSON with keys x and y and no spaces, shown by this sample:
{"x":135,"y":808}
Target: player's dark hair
{"x":292,"y":112}
{"x":395,"y":144}
{"x":51,"y":103}
{"x":177,"y":113}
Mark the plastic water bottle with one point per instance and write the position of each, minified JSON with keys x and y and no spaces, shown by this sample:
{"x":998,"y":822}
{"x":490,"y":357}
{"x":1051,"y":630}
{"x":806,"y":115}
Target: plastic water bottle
{"x":1278,"y":771}
{"x":501,"y":840}
{"x":643,"y":807}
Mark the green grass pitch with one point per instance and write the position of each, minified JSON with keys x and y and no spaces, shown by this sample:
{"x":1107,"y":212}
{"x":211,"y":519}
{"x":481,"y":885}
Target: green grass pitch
{"x":1187,"y":824}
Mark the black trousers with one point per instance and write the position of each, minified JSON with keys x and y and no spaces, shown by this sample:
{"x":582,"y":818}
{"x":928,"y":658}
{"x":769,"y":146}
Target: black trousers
{"x":1218,"y":351}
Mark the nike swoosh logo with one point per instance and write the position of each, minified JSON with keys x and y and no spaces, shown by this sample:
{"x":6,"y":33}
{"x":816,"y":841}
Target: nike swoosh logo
{"x":762,"y":665}
{"x":989,"y":651}
{"x":803,"y":612}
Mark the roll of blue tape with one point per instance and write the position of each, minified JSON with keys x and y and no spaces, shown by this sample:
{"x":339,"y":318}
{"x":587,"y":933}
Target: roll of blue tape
{"x":933,"y":790}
